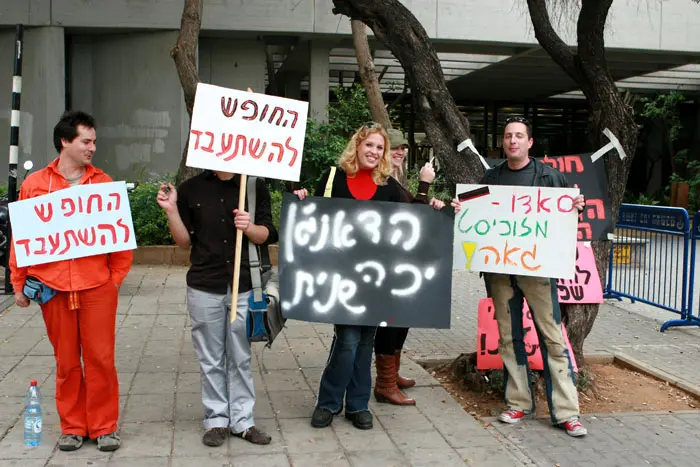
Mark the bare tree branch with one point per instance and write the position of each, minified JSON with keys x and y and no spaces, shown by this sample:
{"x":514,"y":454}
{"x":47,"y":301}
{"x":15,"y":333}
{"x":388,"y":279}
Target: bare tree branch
{"x":368,"y":75}
{"x":549,"y":39}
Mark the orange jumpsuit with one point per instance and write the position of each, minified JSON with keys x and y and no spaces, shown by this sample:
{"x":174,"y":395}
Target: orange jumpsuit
{"x":80,"y":320}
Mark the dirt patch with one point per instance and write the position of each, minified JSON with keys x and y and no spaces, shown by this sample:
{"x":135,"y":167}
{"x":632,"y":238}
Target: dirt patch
{"x":610,"y":389}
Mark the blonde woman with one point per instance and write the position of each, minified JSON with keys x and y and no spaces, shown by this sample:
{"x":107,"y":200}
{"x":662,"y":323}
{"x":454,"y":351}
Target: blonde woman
{"x":364,"y":174}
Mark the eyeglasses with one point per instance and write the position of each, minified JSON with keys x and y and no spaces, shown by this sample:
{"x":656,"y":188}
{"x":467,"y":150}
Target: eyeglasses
{"x":518,"y":119}
{"x":371,"y":125}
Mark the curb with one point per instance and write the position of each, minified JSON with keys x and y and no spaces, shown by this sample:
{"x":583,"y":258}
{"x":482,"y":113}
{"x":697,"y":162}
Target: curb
{"x":654,"y":372}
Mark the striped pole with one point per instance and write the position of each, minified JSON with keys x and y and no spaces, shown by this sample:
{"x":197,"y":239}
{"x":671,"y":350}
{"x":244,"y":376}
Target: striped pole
{"x":14,"y":137}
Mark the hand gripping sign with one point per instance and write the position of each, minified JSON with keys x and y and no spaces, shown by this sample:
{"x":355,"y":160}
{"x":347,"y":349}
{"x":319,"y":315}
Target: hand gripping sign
{"x":529,"y":231}
{"x":85,"y":220}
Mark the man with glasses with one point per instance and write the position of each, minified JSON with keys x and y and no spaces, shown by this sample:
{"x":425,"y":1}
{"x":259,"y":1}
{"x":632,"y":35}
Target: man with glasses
{"x":508,"y":292}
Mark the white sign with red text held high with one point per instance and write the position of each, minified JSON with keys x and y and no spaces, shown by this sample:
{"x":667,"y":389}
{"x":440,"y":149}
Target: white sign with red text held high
{"x":85,"y":220}
{"x":247,"y":133}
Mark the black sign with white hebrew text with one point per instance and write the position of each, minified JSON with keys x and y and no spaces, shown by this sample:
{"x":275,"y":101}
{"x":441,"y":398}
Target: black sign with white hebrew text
{"x":369,"y":263}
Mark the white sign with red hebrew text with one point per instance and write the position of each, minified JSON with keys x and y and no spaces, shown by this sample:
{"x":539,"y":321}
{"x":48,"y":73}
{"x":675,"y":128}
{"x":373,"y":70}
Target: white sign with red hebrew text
{"x":247,"y":133}
{"x":84,"y":220}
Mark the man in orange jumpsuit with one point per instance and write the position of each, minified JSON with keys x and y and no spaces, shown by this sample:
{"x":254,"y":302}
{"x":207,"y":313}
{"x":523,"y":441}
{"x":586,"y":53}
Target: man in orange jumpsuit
{"x":81,"y":318}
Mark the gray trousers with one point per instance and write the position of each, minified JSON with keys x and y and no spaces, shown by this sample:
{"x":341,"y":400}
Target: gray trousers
{"x":223,"y":352}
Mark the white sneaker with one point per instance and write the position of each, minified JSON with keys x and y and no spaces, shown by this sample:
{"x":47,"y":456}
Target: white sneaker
{"x":574,"y":427}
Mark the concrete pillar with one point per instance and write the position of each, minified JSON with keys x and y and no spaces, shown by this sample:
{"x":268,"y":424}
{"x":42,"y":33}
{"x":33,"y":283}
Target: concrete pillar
{"x":318,"y":81}
{"x":43,"y":90}
{"x":291,"y":83}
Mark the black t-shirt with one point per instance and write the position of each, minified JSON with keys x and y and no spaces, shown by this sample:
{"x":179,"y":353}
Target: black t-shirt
{"x":520,"y":177}
{"x":206,"y":206}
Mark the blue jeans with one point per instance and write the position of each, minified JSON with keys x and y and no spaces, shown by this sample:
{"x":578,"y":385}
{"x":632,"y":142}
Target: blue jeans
{"x":348,"y":372}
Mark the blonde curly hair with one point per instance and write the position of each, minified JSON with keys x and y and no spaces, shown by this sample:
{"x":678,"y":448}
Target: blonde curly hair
{"x":349,"y":161}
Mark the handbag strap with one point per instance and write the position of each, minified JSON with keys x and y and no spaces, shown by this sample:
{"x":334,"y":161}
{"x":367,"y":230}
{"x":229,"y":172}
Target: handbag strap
{"x":329,"y":183}
{"x":253,"y":260}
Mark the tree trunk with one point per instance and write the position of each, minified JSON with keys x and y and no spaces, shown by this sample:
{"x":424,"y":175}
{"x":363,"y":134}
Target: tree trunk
{"x":587,"y":66}
{"x":369,"y":77}
{"x":185,"y":56}
{"x":446,"y":127}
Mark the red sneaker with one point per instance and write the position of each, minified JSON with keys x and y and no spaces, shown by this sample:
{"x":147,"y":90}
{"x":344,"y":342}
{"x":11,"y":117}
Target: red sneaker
{"x":511,"y":416}
{"x":574,"y":427}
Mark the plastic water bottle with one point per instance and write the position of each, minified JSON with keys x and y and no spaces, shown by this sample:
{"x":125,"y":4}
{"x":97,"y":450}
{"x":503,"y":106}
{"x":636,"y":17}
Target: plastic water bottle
{"x":32,"y":416}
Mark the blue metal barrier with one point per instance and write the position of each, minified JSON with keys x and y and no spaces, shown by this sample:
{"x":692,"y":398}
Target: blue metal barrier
{"x":649,"y":260}
{"x":694,"y":237}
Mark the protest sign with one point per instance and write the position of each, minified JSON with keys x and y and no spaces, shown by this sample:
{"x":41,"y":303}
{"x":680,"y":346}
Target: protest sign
{"x":247,"y":133}
{"x":370,"y":263}
{"x":487,"y":357}
{"x":595,"y":222}
{"x":85,"y":220}
{"x":586,"y":286}
{"x":529,"y":231}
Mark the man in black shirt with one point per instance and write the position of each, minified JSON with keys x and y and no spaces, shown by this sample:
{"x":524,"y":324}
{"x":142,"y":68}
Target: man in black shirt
{"x":203,"y":215}
{"x":508,"y":292}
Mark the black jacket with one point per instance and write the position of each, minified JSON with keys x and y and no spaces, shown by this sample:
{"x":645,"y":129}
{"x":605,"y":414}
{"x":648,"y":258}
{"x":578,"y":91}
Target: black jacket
{"x":545,"y":175}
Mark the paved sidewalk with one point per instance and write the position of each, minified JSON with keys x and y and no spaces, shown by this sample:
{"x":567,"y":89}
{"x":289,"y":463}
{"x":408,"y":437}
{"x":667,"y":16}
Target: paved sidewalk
{"x":161,"y":408}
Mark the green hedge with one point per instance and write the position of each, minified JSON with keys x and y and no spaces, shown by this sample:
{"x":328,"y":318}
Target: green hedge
{"x":150,"y":221}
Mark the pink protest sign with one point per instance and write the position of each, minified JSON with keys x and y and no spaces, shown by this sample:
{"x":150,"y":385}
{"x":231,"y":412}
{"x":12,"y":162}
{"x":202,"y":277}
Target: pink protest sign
{"x":487,"y":357}
{"x":586,"y":286}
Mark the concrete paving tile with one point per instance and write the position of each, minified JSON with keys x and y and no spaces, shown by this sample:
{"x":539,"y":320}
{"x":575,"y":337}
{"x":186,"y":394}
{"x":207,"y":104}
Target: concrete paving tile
{"x":301,"y":437}
{"x":293,"y":404}
{"x":158,"y":364}
{"x":285,"y":380}
{"x":12,"y":445}
{"x":432,"y":457}
{"x":149,"y":408}
{"x":240,"y":446}
{"x":139,"y":439}
{"x":416,"y":436}
{"x":372,"y":458}
{"x":263,"y":406}
{"x":153,"y":383}
{"x":189,"y":382}
{"x":302,"y":331}
{"x":158,"y":348}
{"x":22,"y":462}
{"x":325,"y":459}
{"x":188,"y":406}
{"x":403,"y":419}
{"x":8,"y":363}
{"x":140,"y":461}
{"x":487,"y":457}
{"x":352,"y":439}
{"x":86,"y":456}
{"x":202,"y":461}
{"x":262,"y":460}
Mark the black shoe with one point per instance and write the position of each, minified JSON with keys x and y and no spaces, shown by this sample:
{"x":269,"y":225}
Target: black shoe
{"x":361,"y":420}
{"x":321,"y":418}
{"x":215,"y":437}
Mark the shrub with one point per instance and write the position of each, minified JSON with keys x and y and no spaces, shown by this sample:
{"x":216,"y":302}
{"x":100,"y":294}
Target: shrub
{"x":150,"y":221}
{"x":276,"y":202}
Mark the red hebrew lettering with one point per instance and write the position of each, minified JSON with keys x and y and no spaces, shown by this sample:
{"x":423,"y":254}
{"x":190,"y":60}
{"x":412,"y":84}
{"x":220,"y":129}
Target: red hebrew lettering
{"x":253,"y":145}
{"x":127,"y":232}
{"x":487,"y":257}
{"x":44,"y":216}
{"x":246,"y":106}
{"x":575,"y":160}
{"x":550,"y":161}
{"x":42,"y":250}
{"x":584,"y":231}
{"x":296,"y":117}
{"x":241,"y":142}
{"x":225,"y":144}
{"x":527,"y":203}
{"x":279,"y":111}
{"x":197,"y":134}
{"x":83,"y":236}
{"x":530,"y":254}
{"x":226,"y":106}
{"x":80,"y":204}
{"x":55,"y":241}
{"x":597,"y":210}
{"x":264,"y":112}
{"x":111,"y":229}
{"x":64,"y":203}
{"x":279,"y":156}
{"x":117,"y":203}
{"x":541,"y":202}
{"x":296,"y":153}
{"x":24,"y":242}
{"x":66,"y":234}
{"x":507,"y":252}
{"x":210,"y":146}
{"x":571,"y":203}
{"x":99,"y":203}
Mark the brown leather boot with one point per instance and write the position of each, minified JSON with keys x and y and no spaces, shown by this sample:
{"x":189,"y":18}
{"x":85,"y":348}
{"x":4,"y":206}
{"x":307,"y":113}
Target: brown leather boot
{"x":385,"y":388}
{"x":401,"y":382}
